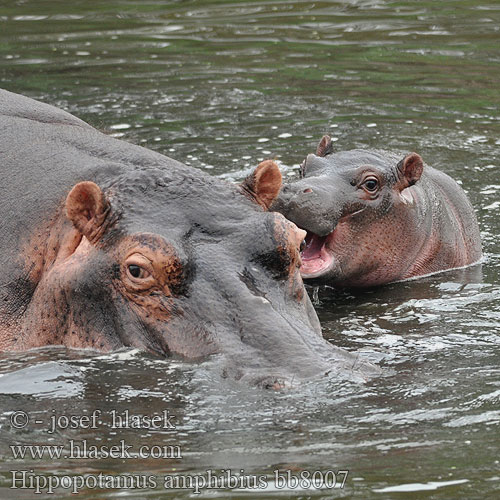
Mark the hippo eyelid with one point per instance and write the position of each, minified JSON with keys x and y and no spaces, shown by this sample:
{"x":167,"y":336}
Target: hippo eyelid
{"x":138,"y":272}
{"x":369,"y":178}
{"x":369,"y":174}
{"x":138,"y":262}
{"x":361,"y":174}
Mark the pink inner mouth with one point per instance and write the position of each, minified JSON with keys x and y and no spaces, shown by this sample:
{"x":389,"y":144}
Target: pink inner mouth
{"x":316,"y":259}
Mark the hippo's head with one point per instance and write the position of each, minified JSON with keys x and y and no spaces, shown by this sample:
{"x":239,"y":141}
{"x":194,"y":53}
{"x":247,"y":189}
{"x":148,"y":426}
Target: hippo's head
{"x":176,"y":262}
{"x":359,"y":208}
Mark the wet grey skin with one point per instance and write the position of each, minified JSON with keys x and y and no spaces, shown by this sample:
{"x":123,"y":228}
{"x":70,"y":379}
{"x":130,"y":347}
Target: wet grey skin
{"x":105,"y":244}
{"x":375,"y":217}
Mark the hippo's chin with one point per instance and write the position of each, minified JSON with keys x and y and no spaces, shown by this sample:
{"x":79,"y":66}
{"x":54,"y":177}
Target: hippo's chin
{"x":316,"y":257}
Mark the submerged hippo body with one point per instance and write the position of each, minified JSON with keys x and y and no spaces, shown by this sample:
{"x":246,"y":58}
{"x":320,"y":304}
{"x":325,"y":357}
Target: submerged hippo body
{"x":374,"y":217}
{"x":104,"y":244}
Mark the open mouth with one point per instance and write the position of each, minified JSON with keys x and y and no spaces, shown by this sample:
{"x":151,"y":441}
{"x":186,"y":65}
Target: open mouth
{"x":316,"y":258}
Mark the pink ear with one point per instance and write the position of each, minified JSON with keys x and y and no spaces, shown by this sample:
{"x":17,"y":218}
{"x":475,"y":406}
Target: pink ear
{"x":264,"y":183}
{"x":411,"y":166}
{"x":325,"y":146}
{"x":86,"y":207}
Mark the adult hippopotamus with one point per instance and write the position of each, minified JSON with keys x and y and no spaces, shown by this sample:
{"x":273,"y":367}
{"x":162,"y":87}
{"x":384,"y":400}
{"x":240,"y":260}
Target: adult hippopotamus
{"x":105,"y":244}
{"x":373,"y":217}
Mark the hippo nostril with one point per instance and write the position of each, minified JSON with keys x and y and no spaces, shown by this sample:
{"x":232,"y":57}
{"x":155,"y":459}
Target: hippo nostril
{"x":307,"y":190}
{"x":275,"y":383}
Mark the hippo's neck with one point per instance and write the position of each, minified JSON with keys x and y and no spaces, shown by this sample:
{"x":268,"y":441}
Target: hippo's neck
{"x":445,"y":246}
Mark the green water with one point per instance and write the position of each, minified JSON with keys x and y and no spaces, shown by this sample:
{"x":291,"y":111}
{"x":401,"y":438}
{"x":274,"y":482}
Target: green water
{"x":220,"y":86}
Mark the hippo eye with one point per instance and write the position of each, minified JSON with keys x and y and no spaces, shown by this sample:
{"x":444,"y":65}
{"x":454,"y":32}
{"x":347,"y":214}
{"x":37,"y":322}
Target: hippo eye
{"x":371,"y":184}
{"x":138,"y":272}
{"x":139,"y":269}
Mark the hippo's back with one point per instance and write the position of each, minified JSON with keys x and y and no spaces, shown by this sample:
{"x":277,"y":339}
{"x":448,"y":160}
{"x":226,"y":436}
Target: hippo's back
{"x":19,"y":106}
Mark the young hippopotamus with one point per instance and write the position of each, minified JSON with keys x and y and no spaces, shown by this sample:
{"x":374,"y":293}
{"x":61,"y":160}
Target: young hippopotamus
{"x":373,"y":217}
{"x":105,"y":244}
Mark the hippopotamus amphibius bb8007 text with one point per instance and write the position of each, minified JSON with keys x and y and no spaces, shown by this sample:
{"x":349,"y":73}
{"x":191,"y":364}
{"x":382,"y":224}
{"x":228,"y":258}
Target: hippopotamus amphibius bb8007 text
{"x":104,"y":244}
{"x":375,"y":217}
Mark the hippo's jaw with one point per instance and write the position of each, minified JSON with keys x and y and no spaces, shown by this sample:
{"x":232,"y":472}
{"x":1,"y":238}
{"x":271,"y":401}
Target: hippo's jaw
{"x":317,"y":259}
{"x":320,"y":256}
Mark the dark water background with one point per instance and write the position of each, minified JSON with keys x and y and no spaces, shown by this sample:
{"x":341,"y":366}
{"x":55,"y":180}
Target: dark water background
{"x":220,"y":86}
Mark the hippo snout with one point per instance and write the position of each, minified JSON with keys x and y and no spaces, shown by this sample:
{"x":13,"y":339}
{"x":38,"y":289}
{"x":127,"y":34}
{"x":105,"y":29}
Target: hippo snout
{"x":276,"y":379}
{"x":272,"y":382}
{"x":304,"y":204}
{"x":334,"y":363}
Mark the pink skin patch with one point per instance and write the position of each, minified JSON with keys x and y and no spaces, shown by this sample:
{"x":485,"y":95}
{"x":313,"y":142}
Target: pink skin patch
{"x":316,"y":259}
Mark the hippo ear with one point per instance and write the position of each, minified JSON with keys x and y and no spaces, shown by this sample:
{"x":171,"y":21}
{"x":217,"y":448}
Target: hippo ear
{"x":87,"y":207}
{"x":411,"y":167}
{"x":325,"y":146}
{"x":264,"y":183}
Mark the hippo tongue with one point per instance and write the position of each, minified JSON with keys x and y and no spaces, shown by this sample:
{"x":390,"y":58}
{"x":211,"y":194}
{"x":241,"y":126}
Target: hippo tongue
{"x":315,"y":257}
{"x":314,"y":244}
